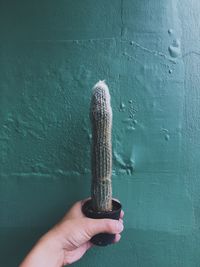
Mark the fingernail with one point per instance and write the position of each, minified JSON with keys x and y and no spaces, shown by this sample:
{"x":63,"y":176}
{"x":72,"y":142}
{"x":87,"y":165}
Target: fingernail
{"x":120,"y":226}
{"x":117,"y":238}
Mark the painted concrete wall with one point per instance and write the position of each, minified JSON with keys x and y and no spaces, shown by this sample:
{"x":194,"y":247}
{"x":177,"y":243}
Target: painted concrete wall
{"x":51,"y":54}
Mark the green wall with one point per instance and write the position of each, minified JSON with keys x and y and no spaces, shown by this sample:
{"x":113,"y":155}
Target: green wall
{"x":51,"y":54}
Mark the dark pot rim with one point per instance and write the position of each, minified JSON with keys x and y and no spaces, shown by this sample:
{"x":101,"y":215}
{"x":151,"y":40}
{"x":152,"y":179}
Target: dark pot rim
{"x":89,"y":212}
{"x":102,"y":239}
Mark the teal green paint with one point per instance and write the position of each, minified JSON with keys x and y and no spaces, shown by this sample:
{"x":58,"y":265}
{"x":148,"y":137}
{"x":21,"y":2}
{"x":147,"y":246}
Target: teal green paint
{"x":51,"y":54}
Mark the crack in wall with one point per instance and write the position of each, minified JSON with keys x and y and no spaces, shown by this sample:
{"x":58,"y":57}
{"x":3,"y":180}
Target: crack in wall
{"x":56,"y":173}
{"x":153,"y":52}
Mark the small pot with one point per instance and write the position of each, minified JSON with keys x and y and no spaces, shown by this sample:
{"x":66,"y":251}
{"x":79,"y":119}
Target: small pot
{"x":102,"y":239}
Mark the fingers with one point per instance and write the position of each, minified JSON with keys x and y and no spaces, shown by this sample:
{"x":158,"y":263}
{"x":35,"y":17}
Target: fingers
{"x":77,"y":205}
{"x":76,"y":210}
{"x":121,"y":214}
{"x":117,"y":238}
{"x":96,"y":226}
{"x":89,"y":245}
{"x":84,"y":200}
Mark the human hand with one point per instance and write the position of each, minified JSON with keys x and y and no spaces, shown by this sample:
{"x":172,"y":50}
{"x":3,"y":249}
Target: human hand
{"x":68,"y":240}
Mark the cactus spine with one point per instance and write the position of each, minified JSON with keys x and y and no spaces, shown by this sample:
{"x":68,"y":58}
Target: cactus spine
{"x":101,"y":158}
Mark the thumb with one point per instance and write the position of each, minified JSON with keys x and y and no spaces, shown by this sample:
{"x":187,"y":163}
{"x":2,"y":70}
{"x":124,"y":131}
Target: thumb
{"x":97,"y":226}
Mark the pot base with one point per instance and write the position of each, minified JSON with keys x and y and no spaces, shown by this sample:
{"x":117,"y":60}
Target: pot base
{"x":102,"y":239}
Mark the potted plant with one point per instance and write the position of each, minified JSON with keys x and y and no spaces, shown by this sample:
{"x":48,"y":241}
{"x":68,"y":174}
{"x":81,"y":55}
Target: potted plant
{"x":101,"y":204}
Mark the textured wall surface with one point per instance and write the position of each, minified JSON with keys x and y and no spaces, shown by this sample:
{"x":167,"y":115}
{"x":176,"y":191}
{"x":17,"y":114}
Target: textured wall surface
{"x":51,"y":54}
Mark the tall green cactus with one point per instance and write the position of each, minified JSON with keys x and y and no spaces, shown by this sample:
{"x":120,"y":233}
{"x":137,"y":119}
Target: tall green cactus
{"x":101,"y":158}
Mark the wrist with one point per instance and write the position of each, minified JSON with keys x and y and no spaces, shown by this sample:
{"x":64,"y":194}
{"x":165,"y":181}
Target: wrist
{"x":46,"y":253}
{"x":52,"y":245}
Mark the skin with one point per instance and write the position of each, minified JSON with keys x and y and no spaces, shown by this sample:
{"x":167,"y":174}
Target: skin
{"x":69,"y":239}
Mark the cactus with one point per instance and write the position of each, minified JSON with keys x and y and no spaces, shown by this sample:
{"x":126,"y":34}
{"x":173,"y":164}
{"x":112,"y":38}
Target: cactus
{"x":101,"y":158}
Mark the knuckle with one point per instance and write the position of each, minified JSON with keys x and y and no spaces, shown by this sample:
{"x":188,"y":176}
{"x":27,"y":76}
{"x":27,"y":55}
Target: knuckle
{"x":111,"y":225}
{"x":89,"y":227}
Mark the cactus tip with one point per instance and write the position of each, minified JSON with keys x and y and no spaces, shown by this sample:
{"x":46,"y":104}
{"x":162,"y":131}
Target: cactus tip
{"x":101,"y":86}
